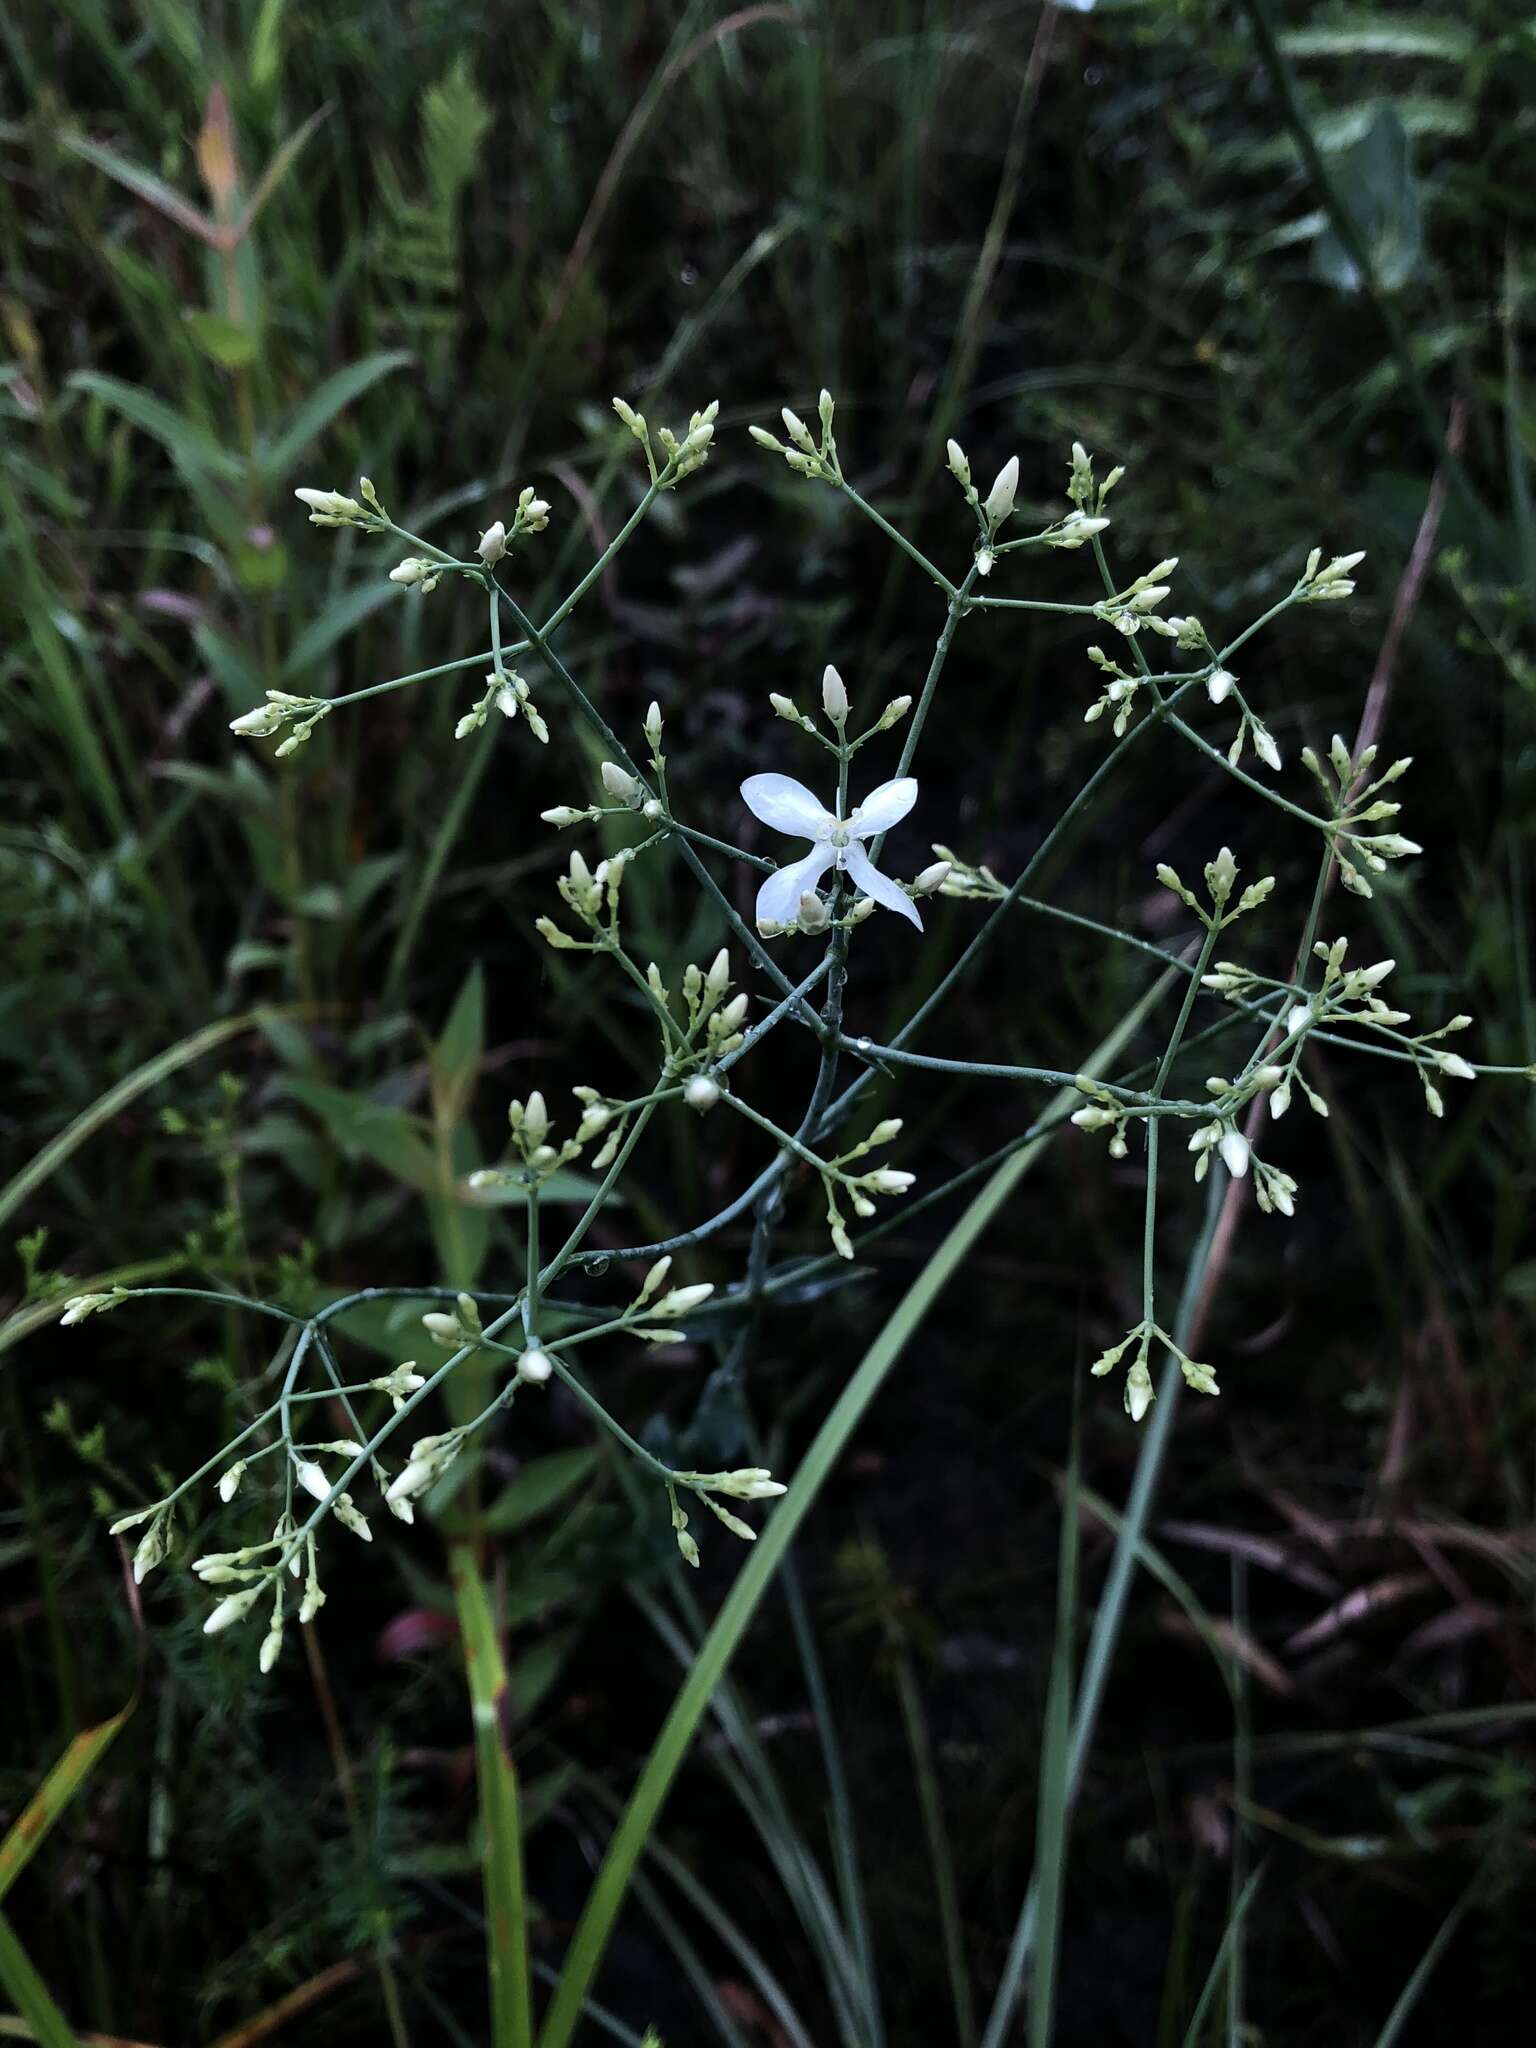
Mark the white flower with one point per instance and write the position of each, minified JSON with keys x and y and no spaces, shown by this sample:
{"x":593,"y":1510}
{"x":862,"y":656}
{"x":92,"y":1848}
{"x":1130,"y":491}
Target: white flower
{"x":788,"y":806}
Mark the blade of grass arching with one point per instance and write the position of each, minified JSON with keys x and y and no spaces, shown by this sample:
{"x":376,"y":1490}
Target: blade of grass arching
{"x":105,"y":1107}
{"x":612,"y":1883}
{"x":940,"y":1852}
{"x":1218,"y":1970}
{"x":1051,"y":1828}
{"x":1402,"y":2012}
{"x":1242,"y":1806}
{"x":37,"y":1314}
{"x":506,"y":1913}
{"x":48,"y":1802}
{"x":29,"y":1993}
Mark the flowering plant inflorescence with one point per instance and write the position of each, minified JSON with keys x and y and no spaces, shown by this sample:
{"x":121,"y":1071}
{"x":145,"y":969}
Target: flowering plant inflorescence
{"x":710,"y":1033}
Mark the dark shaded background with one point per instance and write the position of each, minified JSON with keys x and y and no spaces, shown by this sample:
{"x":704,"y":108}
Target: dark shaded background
{"x":1022,"y":227}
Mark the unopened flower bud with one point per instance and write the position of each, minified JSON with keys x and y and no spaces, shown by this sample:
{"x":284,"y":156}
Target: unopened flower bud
{"x":834,"y":696}
{"x":701,"y":1093}
{"x":493,"y":543}
{"x":619,"y":784}
{"x":534,"y":1366}
{"x":1005,"y":489}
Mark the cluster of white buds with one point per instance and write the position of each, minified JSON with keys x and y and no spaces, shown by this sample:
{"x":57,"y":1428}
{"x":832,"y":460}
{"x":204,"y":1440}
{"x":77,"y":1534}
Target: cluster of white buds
{"x":455,"y":1329}
{"x":314,"y":1482}
{"x":680,"y":456}
{"x":964,"y":880}
{"x":660,"y":1305}
{"x":861,"y":1188}
{"x":417,"y":573}
{"x":403,"y":1381}
{"x":78,"y":1306}
{"x":531,"y":516}
{"x":1118,"y":694}
{"x":1355,"y":802}
{"x":1139,"y":1391}
{"x":704,"y":1002}
{"x":806,"y":455}
{"x":751,"y":1482}
{"x":835,"y":703}
{"x":281,"y":707}
{"x":1073,"y":531}
{"x":334,"y":508}
{"x":601,"y":1114}
{"x":1221,"y":686}
{"x":1102,"y":1112}
{"x":529,"y":1124}
{"x":1135,"y":607}
{"x":154,"y":1545}
{"x":1319,"y":585}
{"x":429,"y":1459}
{"x":506,"y":692}
{"x":593,"y":895}
{"x":1220,"y":879}
{"x":1220,"y":1135}
{"x":1082,"y":491}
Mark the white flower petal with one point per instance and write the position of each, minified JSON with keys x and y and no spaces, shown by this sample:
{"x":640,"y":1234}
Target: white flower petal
{"x":786,"y":805}
{"x":883,"y":808}
{"x":863,"y":873}
{"x":778,"y":900}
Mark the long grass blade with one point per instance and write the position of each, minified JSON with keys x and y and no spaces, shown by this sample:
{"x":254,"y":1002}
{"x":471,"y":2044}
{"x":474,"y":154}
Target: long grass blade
{"x":608,"y":1892}
{"x":1052,"y":1826}
{"x":148,"y":1075}
{"x":30,"y":1994}
{"x":506,"y":1912}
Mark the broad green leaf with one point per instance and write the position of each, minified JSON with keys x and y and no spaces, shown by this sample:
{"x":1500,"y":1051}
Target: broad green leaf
{"x":538,"y":1487}
{"x":1375,"y":184}
{"x":457,"y":1055}
{"x":313,"y":415}
{"x":145,"y":184}
{"x":387,"y":1135}
{"x":231,"y":347}
{"x":190,"y":446}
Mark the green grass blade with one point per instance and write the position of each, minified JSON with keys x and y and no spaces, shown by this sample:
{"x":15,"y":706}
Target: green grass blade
{"x":506,"y":1912}
{"x":940,"y":1853}
{"x":1055,"y":1805}
{"x":105,"y":1107}
{"x":314,"y":414}
{"x":29,"y":1993}
{"x":1218,"y":1970}
{"x":1402,"y":2012}
{"x":48,"y":1802}
{"x":752,"y":1582}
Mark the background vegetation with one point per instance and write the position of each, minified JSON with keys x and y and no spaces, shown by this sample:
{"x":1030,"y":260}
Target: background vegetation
{"x":1276,"y":262}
